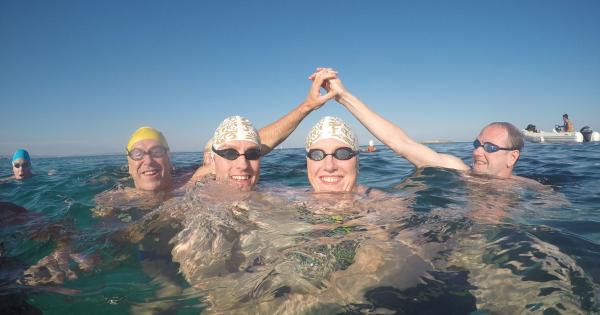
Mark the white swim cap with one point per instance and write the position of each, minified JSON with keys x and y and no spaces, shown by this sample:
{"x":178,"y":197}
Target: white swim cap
{"x":332,"y":128}
{"x":235,"y":128}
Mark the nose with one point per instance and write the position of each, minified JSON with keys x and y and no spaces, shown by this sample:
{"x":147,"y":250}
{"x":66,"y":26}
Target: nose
{"x":329,"y":164}
{"x":479,"y":151}
{"x":241,"y":162}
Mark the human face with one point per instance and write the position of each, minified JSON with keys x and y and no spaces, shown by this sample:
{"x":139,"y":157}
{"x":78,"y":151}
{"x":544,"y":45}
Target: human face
{"x":330,"y":174}
{"x":150,"y":173}
{"x":241,"y":172}
{"x":24,"y":169}
{"x":500,"y":163}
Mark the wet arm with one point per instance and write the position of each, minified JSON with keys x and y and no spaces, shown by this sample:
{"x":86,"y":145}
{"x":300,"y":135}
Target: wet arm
{"x":394,"y":137}
{"x":275,"y":133}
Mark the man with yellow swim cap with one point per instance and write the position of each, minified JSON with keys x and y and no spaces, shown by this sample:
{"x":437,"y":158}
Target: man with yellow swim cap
{"x":148,"y":160}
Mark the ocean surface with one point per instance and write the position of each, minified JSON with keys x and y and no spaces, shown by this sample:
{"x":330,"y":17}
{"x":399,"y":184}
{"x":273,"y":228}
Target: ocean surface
{"x":435,"y":241}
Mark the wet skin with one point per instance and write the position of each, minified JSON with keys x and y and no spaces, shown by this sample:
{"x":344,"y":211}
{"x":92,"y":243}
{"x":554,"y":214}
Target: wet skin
{"x":331,"y":174}
{"x":500,"y":163}
{"x":151,"y":174}
{"x":241,"y":172}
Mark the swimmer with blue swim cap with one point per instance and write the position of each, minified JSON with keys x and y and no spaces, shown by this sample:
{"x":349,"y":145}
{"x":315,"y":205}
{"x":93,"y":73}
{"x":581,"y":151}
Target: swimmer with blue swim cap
{"x":21,"y":164}
{"x":148,"y":160}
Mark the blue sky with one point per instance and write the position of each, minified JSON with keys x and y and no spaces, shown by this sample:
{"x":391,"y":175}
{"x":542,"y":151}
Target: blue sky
{"x":78,"y":77}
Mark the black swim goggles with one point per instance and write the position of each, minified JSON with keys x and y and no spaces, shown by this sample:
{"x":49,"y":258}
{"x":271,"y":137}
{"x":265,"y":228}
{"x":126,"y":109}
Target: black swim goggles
{"x":232,"y":154}
{"x":489,"y":147}
{"x":24,"y":165}
{"x":154,"y":152}
{"x":339,"y":154}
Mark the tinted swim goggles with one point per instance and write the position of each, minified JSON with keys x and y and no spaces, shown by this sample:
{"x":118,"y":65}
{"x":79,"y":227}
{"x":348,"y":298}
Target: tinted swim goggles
{"x":24,"y":165}
{"x":339,"y":154}
{"x":154,"y":152}
{"x":232,"y":154}
{"x":489,"y":147}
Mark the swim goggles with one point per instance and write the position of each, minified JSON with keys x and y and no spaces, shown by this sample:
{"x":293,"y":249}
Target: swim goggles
{"x":154,"y":152}
{"x":489,"y":147}
{"x":24,"y":165}
{"x":339,"y":154}
{"x":232,"y":154}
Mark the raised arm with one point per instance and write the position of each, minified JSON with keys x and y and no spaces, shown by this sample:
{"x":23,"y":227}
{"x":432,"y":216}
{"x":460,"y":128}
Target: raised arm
{"x":391,"y":135}
{"x":275,"y":133}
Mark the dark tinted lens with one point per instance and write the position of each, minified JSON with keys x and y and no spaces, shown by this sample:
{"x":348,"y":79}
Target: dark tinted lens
{"x":229,"y":154}
{"x":136,"y":154}
{"x":476,"y":144}
{"x":343,"y":154}
{"x":316,"y":155}
{"x":490,"y":147}
{"x":252,"y":154}
{"x":17,"y":165}
{"x":158,"y":152}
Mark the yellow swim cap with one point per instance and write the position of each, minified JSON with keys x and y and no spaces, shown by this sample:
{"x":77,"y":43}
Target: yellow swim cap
{"x":147,"y":133}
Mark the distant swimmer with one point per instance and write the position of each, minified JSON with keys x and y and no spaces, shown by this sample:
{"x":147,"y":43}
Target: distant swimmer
{"x":496,"y":149}
{"x":148,"y":160}
{"x":371,"y":147}
{"x":21,"y":164}
{"x":237,"y":147}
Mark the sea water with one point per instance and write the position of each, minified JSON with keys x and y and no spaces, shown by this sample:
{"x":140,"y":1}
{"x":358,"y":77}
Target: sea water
{"x":435,"y":241}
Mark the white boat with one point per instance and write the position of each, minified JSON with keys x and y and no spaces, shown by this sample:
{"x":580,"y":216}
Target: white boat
{"x":553,"y":136}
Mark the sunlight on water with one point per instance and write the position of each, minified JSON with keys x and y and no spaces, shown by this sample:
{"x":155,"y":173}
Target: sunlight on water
{"x":435,"y":242}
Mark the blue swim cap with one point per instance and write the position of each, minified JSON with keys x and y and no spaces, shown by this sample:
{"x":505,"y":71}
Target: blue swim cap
{"x":21,"y":154}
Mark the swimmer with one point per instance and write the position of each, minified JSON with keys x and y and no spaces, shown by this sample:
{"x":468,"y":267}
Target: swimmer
{"x":332,"y":156}
{"x":21,"y":164}
{"x":496,"y":149}
{"x":237,"y":146}
{"x":148,"y":160}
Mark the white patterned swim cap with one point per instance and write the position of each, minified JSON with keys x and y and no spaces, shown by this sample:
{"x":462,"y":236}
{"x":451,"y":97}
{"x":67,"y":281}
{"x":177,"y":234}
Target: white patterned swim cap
{"x":332,"y":128}
{"x":235,"y":128}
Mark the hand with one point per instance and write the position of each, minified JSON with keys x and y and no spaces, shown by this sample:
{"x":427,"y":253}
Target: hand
{"x":334,"y":85}
{"x":315,"y":99}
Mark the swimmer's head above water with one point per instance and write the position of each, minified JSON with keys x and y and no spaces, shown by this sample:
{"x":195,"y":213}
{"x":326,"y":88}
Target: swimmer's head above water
{"x":148,"y":160}
{"x":236,"y":152}
{"x":21,"y":164}
{"x":331,"y":158}
{"x":497,"y":149}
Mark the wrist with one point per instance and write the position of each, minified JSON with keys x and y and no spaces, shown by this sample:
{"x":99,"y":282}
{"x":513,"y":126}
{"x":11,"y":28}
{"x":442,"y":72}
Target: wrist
{"x":345,"y":98}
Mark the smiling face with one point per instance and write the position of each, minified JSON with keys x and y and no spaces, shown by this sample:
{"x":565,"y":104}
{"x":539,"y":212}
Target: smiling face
{"x":500,"y":163}
{"x":331,"y":174}
{"x":150,"y":173}
{"x":241,"y":172}
{"x":24,"y":169}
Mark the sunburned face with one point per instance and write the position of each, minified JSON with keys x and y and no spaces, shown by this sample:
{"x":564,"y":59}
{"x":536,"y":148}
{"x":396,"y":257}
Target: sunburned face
{"x":241,"y":172}
{"x":499,"y":163}
{"x":150,"y":173}
{"x":331,"y":174}
{"x":23,"y":170}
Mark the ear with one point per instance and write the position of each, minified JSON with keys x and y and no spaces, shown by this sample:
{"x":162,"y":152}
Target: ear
{"x":513,"y":157}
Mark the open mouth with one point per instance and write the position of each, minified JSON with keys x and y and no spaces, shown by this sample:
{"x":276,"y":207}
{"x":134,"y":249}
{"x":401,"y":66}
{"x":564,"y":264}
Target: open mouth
{"x":330,"y":180}
{"x":150,"y":173}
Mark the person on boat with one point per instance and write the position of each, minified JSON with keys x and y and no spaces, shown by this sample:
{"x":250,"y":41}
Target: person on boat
{"x":237,"y":146}
{"x":496,"y":149}
{"x":21,"y":164}
{"x":567,"y":124}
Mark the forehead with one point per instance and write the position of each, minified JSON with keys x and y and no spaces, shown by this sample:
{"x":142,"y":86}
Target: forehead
{"x":19,"y":160}
{"x":325,"y":144}
{"x":238,"y":144}
{"x":494,"y":134}
{"x":145,"y":144}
